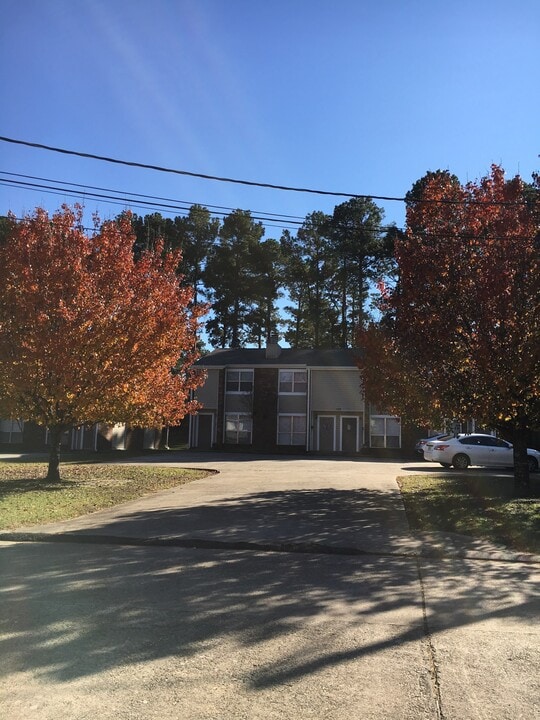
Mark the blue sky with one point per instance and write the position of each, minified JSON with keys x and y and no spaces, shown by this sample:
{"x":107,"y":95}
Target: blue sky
{"x":352,"y":95}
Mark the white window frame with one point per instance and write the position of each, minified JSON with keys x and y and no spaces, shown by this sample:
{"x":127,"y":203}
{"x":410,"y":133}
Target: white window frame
{"x":240,"y":371}
{"x":385,"y":436}
{"x":291,"y":433}
{"x":293,"y":391}
{"x":237,"y":416}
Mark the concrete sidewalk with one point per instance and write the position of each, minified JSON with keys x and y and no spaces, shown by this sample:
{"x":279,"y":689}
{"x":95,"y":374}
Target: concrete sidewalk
{"x":111,"y":629}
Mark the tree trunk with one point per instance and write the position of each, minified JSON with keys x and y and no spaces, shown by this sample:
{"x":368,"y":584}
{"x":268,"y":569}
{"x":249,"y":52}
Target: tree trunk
{"x":521,"y":463}
{"x":55,"y":436}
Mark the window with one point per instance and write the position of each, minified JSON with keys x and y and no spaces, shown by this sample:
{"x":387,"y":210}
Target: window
{"x":293,"y":381}
{"x":239,"y":381}
{"x":385,"y":431}
{"x":11,"y":431}
{"x":292,"y":430}
{"x":238,"y":428}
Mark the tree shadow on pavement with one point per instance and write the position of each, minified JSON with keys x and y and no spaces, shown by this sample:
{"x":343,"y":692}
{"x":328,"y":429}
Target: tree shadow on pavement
{"x":327,"y":517}
{"x":73,"y":610}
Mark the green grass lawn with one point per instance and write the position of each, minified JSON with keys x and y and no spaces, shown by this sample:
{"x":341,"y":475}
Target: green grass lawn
{"x":474,"y":504}
{"x":27,"y":499}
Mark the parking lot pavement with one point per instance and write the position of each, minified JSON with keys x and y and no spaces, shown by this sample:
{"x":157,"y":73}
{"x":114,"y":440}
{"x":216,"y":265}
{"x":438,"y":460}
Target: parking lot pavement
{"x":116,"y":630}
{"x":143,"y":632}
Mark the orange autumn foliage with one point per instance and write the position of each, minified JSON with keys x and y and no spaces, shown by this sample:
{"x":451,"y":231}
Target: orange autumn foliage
{"x":462,"y":334}
{"x":87,"y":332}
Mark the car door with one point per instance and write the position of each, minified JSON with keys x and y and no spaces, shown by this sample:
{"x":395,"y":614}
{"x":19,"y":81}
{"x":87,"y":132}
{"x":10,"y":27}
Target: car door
{"x":499,"y":453}
{"x":470,"y":445}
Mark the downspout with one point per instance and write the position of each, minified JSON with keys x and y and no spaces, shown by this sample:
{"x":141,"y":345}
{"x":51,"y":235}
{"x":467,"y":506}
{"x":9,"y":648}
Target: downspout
{"x":309,"y":429}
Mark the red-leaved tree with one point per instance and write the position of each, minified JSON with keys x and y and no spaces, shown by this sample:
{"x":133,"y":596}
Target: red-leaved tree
{"x":461,"y":332}
{"x":88,"y":333}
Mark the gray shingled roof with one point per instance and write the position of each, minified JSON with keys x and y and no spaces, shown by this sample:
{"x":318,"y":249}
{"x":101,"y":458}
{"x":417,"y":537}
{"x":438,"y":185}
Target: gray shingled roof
{"x":288,"y":357}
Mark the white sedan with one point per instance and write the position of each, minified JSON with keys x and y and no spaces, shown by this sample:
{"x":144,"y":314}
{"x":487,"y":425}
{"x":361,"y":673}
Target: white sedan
{"x":476,"y":449}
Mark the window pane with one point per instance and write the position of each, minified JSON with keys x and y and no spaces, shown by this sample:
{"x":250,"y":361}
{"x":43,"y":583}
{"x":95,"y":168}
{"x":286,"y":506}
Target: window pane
{"x":284,"y":423}
{"x":230,"y":424}
{"x":285,"y":381}
{"x":292,"y":429}
{"x":377,"y":425}
{"x":393,"y":426}
{"x":300,"y":381}
{"x":244,"y":424}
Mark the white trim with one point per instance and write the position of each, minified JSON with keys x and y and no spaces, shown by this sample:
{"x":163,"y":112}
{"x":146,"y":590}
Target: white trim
{"x":309,"y":429}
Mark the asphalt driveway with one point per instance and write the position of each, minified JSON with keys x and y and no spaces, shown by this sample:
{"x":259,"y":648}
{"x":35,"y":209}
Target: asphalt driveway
{"x":275,"y":588}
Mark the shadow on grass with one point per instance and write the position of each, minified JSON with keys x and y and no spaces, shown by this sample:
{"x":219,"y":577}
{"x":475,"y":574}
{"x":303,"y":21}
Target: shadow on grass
{"x":479,"y":504}
{"x":32,"y":484}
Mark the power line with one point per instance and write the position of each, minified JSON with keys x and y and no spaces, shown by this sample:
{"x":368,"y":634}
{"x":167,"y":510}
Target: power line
{"x":143,"y":195}
{"x":288,"y":188}
{"x":159,"y":168}
{"x":180,"y":209}
{"x":124,"y":198}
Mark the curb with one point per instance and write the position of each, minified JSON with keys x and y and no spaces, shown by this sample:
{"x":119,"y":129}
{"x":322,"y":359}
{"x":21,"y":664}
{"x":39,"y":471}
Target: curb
{"x":284,"y":547}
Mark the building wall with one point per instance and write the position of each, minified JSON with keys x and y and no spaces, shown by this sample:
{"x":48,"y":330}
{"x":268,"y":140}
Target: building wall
{"x":209,"y":392}
{"x":336,"y":389}
{"x":265,"y":400}
{"x":334,"y":400}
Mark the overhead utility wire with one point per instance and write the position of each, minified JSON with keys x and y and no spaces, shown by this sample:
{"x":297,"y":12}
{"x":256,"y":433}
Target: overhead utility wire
{"x":159,"y":168}
{"x":112,"y":200}
{"x":143,"y":204}
{"x":131,"y":163}
{"x":127,"y":198}
{"x":142,"y":195}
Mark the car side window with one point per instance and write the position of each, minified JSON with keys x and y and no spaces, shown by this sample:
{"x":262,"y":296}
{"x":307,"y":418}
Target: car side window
{"x":488,"y":441}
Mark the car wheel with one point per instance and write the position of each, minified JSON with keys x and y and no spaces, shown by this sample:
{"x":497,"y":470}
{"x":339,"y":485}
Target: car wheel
{"x":446,"y":465}
{"x":533,"y":463}
{"x":461,"y":462}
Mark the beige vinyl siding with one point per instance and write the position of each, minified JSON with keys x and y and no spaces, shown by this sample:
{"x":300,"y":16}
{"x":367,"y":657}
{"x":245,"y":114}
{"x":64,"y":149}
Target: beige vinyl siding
{"x":292,"y":404}
{"x":336,"y":389}
{"x":208,"y":393}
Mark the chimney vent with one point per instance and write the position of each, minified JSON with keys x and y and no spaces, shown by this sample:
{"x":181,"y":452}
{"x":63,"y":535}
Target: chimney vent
{"x":273,"y":349}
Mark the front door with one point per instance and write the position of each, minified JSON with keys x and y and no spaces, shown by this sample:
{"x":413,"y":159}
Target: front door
{"x":349,"y":434}
{"x":204,"y":431}
{"x":326,"y":433}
